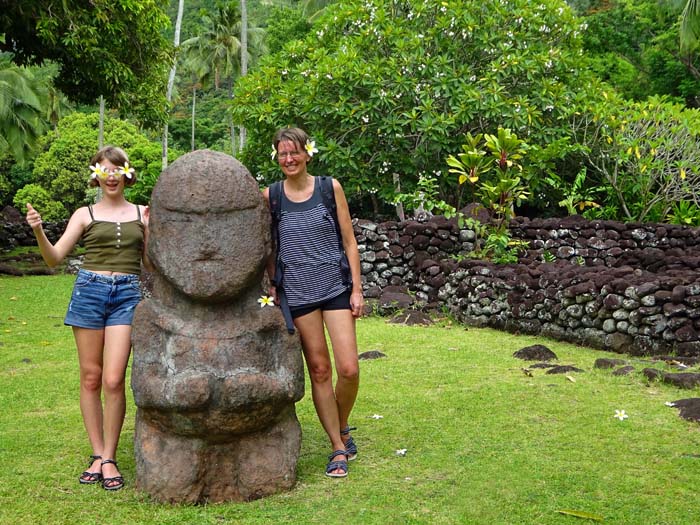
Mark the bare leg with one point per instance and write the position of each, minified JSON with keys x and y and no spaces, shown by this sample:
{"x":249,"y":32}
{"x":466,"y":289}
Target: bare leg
{"x":117,"y":348}
{"x":89,"y":343}
{"x":341,"y":328}
{"x":318,"y":362}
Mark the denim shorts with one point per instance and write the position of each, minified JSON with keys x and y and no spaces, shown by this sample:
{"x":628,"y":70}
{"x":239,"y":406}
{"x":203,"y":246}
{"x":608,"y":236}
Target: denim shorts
{"x":102,"y":300}
{"x":340,"y":302}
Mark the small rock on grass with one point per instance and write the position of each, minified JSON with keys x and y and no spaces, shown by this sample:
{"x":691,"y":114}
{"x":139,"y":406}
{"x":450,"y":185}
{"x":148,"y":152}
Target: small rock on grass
{"x":535,"y":353}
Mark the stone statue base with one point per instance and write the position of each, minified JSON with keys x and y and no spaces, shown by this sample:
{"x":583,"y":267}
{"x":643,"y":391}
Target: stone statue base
{"x":179,"y":469}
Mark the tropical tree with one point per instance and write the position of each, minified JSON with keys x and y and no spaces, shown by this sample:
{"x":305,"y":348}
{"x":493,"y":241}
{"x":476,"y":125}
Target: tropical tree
{"x":633,"y":45}
{"x":219,"y":46}
{"x":21,"y":109}
{"x":690,"y":25}
{"x":390,"y":88}
{"x":113,"y":48}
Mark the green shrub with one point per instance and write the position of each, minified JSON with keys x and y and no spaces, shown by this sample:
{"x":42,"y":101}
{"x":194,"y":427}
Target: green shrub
{"x":644,"y":154}
{"x":40,"y":200}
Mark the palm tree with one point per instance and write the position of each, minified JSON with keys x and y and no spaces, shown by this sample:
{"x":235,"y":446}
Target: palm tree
{"x":21,"y":109}
{"x":196,"y":70}
{"x":690,"y":25}
{"x":219,"y":47}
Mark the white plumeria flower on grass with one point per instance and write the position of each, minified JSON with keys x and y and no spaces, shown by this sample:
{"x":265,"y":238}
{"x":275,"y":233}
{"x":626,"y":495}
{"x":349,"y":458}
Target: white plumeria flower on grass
{"x":401,"y":452}
{"x":266,"y":300}
{"x":670,"y":404}
{"x":620,"y":414}
{"x":310,"y":147}
{"x":376,"y":416}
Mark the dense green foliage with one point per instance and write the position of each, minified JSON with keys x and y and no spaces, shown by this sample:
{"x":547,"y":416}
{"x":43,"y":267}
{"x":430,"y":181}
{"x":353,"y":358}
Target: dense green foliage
{"x":105,"y":47}
{"x":634,"y":46}
{"x":392,"y":87}
{"x":389,"y":90}
{"x":22,"y":101}
{"x":63,"y":166}
{"x":40,"y":199}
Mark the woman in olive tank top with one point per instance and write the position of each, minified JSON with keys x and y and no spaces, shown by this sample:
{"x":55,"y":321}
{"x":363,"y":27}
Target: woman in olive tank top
{"x":106,"y":291}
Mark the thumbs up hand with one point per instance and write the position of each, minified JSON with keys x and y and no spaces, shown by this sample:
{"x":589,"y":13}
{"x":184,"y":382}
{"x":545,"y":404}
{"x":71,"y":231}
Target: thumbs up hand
{"x":33,"y":217}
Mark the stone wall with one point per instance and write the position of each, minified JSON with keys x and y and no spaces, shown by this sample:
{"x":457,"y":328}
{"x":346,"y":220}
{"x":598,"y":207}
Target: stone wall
{"x":630,"y":288}
{"x":14,"y":230}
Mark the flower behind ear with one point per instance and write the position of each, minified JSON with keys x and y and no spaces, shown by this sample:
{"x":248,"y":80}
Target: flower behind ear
{"x":310,"y":147}
{"x":273,"y":154}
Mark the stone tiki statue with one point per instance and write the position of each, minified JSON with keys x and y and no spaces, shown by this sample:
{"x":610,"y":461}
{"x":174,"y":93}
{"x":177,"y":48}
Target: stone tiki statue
{"x":215,"y":376}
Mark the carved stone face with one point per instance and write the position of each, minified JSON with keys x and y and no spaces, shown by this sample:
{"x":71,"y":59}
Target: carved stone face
{"x":209,"y":227}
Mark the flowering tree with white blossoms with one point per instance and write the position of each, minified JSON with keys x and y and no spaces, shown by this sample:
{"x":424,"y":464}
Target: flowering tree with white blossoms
{"x":389,"y":88}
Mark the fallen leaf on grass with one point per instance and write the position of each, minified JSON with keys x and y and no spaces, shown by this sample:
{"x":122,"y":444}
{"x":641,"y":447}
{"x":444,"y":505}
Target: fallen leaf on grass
{"x":581,"y":514}
{"x":571,"y":379}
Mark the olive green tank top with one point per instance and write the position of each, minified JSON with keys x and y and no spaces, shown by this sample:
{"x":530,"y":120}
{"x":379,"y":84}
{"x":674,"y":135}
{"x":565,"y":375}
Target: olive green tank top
{"x":114,"y":246}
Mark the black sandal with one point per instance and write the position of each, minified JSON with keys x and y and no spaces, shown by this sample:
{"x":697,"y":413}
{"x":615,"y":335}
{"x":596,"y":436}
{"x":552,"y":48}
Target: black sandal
{"x":117,"y":480}
{"x":90,"y":478}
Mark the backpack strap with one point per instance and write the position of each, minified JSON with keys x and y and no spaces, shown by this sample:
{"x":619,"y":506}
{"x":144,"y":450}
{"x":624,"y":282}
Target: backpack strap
{"x":328,"y":197}
{"x":275,"y":197}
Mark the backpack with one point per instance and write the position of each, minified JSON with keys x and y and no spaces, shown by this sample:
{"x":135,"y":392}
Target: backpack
{"x":328,"y":199}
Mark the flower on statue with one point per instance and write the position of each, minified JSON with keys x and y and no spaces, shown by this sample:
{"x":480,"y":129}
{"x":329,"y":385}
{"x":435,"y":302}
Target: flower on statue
{"x":266,"y":300}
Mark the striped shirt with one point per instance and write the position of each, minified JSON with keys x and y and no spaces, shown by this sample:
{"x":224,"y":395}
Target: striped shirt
{"x":309,"y":250}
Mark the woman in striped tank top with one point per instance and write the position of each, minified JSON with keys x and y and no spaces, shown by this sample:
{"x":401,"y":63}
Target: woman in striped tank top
{"x":319,"y":295}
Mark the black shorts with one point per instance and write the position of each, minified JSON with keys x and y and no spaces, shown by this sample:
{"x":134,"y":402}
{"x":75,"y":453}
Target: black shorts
{"x":340,"y":302}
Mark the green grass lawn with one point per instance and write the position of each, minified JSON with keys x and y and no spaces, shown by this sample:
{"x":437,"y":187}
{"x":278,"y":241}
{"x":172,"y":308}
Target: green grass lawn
{"x":485,"y":443}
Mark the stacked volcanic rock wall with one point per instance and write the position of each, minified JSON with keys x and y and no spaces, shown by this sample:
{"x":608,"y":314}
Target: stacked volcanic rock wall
{"x":625,"y":287}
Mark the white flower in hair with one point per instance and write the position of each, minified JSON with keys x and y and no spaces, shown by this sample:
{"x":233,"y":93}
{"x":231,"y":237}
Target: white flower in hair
{"x":127,"y":171}
{"x":97,"y":171}
{"x":273,"y":153}
{"x":311,"y":147}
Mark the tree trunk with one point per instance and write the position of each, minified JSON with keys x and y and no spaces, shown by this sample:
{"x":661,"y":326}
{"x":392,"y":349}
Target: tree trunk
{"x":101,"y":132}
{"x":244,"y":63}
{"x":171,"y":78}
{"x":194,"y":102}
